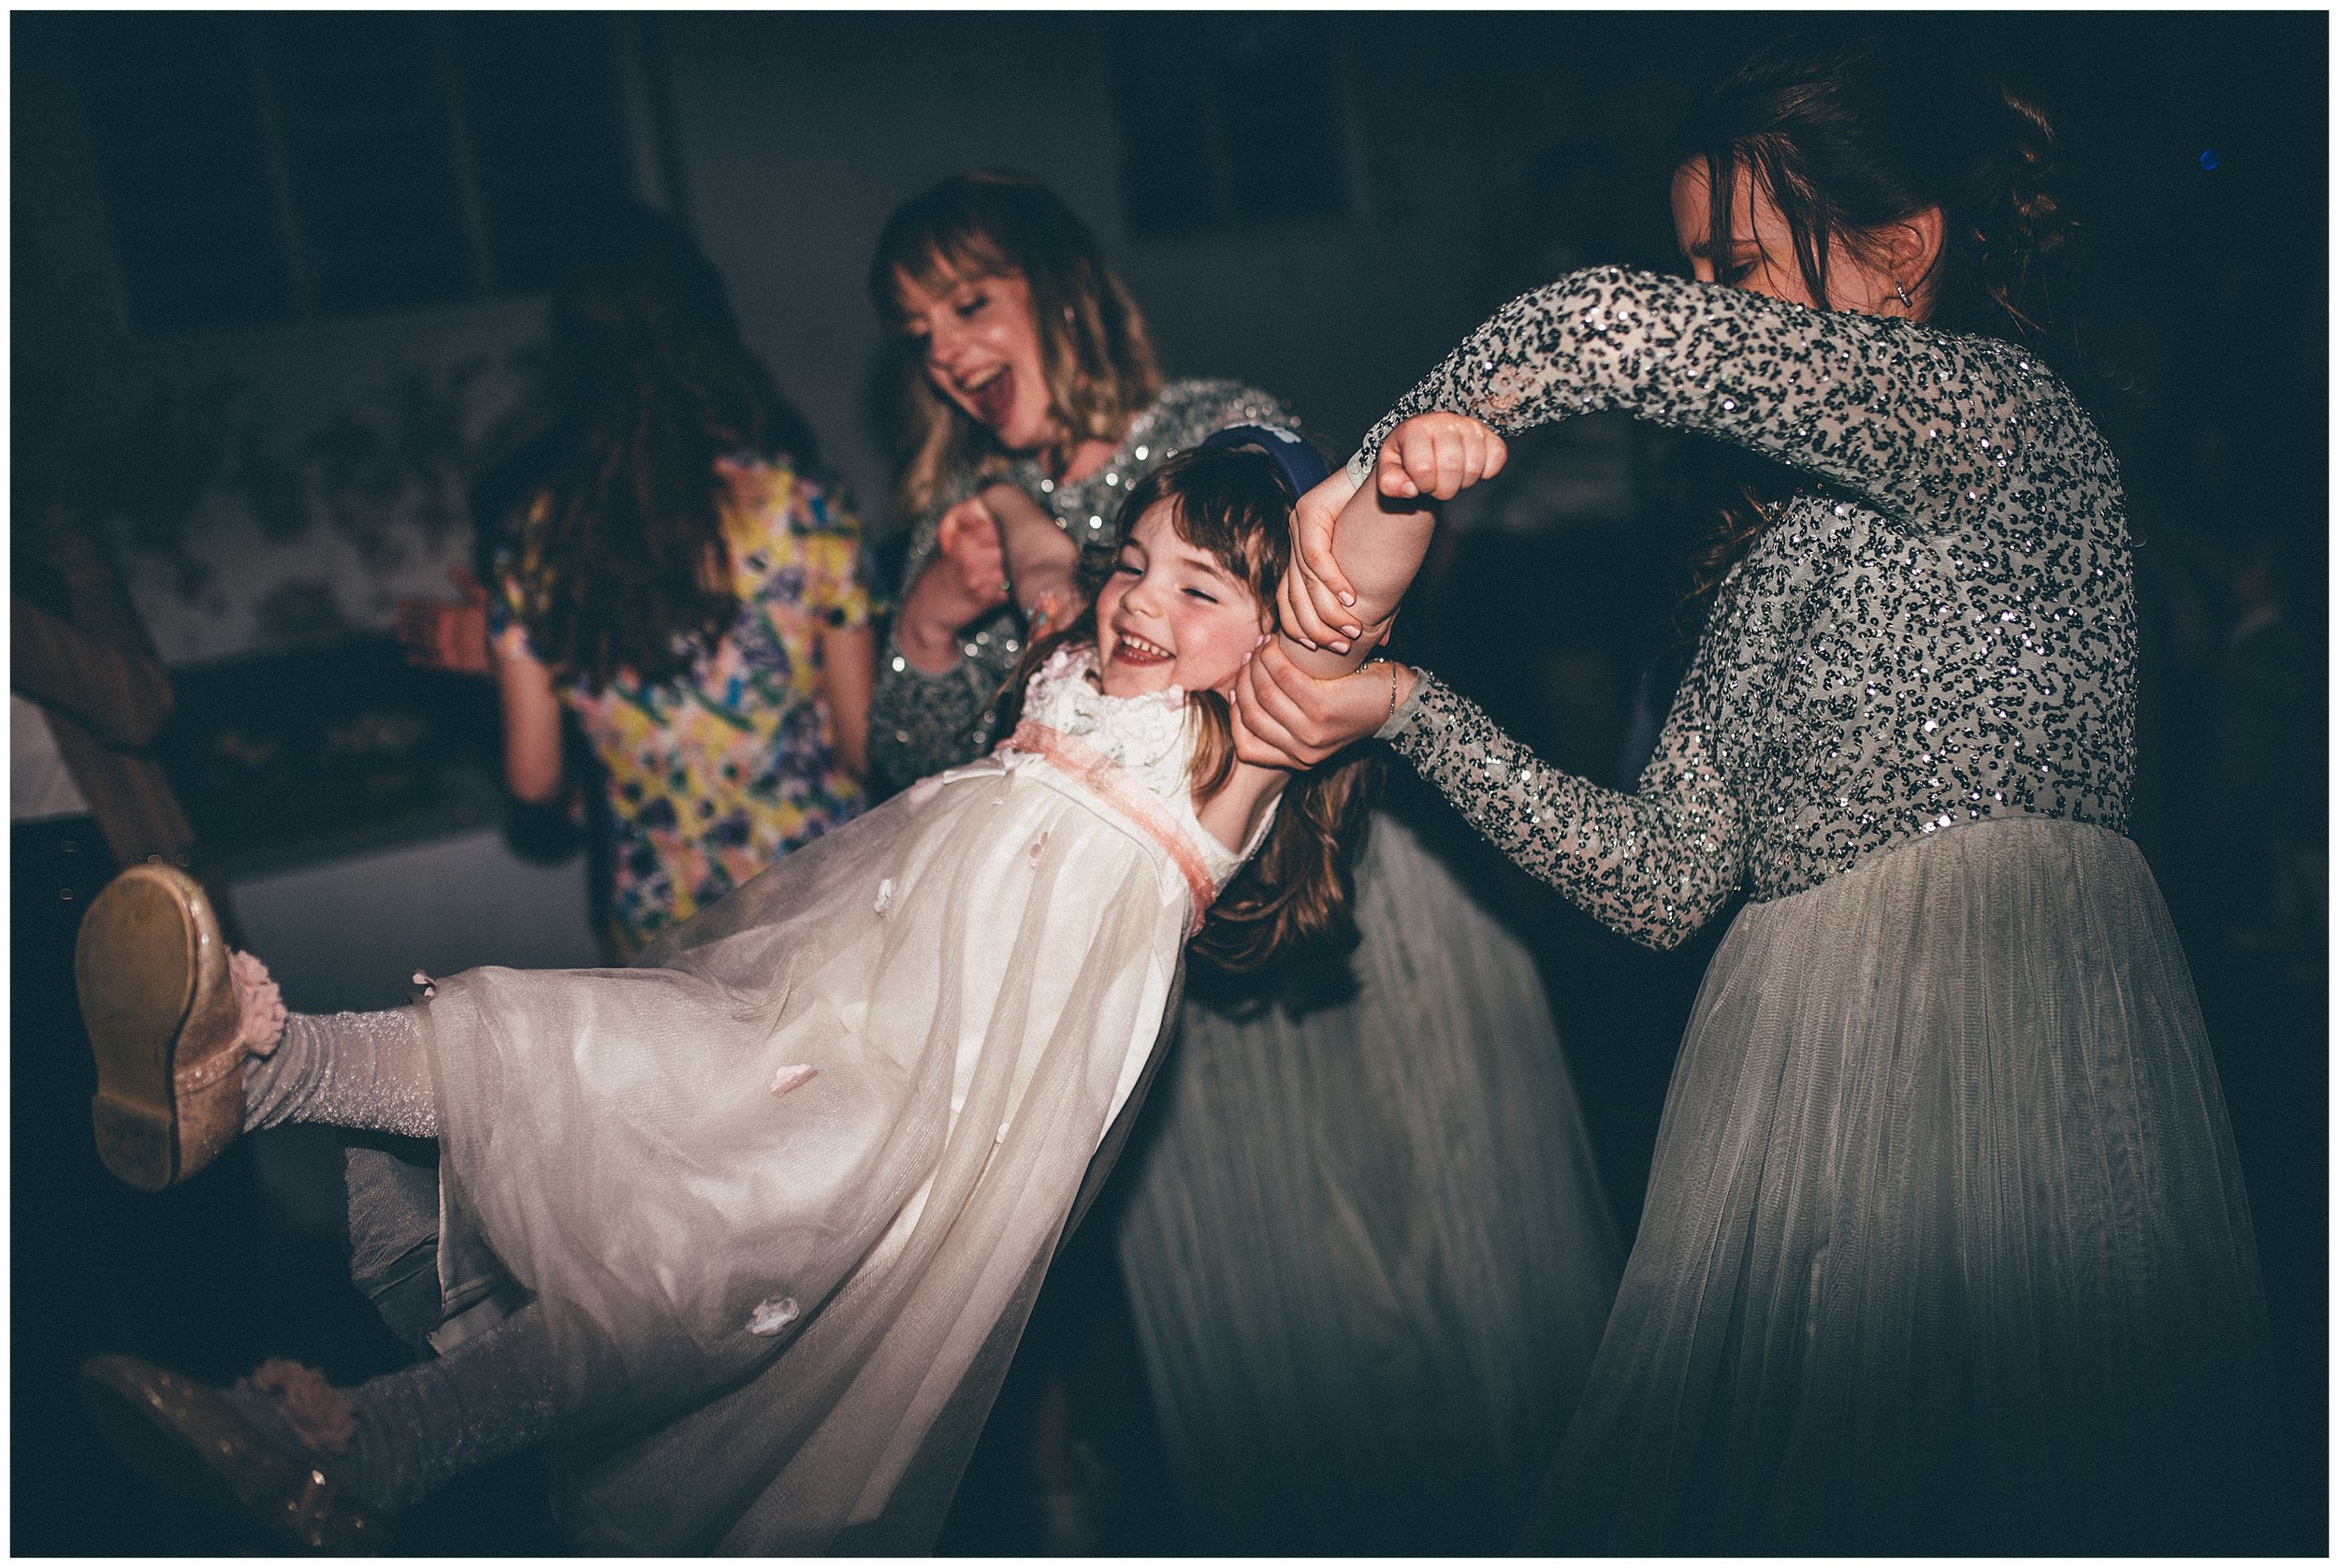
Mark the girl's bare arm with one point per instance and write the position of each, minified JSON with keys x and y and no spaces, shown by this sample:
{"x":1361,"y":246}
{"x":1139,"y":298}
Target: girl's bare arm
{"x":1379,"y":543}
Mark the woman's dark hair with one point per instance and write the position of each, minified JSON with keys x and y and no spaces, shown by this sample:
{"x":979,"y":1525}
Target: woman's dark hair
{"x":1848,"y":128}
{"x":623,"y":559}
{"x":1100,"y":359}
{"x":1296,"y":893}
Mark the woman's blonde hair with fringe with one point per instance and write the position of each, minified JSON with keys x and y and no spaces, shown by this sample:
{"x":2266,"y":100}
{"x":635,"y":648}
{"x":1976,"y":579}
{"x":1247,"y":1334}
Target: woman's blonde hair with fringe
{"x":1099,"y":357}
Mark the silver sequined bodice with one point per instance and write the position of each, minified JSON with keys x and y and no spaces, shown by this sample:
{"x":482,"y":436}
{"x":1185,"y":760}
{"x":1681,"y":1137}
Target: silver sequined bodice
{"x":1947,"y":633}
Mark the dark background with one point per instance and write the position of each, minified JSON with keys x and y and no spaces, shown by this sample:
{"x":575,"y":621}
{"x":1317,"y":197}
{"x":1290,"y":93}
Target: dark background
{"x":275,"y":297}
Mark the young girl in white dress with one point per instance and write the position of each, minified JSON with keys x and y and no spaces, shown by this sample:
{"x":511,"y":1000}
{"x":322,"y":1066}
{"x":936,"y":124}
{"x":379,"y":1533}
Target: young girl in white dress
{"x":746,"y":1232}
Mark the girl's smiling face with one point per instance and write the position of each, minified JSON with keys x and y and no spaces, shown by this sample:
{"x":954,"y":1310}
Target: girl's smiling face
{"x":980,"y":344}
{"x":1171,"y":615}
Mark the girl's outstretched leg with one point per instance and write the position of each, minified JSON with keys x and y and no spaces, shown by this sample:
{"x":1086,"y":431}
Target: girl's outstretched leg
{"x":321,"y":1469}
{"x":168,"y":1024}
{"x":194,"y":1047}
{"x":363,"y":1070}
{"x":489,"y":1398}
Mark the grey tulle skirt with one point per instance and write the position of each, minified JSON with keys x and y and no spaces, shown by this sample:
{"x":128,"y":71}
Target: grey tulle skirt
{"x":1365,"y":1244}
{"x":1945,"y":1248}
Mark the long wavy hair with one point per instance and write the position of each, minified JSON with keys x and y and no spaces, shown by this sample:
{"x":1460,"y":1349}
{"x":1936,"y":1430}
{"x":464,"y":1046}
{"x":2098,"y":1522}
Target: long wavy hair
{"x":1298,"y":892}
{"x":1849,"y":128}
{"x":1098,"y":355}
{"x":624,"y":564}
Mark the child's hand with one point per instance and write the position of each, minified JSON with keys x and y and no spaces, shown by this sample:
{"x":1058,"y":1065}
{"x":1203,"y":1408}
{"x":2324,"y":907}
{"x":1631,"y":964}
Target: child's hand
{"x":965,"y":581}
{"x":1440,"y":456}
{"x":967,"y":537}
{"x":1285,"y":718}
{"x":1312,"y":601}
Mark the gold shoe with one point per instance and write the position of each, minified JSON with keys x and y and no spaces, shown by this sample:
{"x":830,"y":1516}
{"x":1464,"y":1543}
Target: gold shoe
{"x":196,"y":1443}
{"x":163,"y":1023}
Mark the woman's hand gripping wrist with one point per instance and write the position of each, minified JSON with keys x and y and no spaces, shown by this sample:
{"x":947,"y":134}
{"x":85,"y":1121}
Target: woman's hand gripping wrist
{"x":1285,"y":718}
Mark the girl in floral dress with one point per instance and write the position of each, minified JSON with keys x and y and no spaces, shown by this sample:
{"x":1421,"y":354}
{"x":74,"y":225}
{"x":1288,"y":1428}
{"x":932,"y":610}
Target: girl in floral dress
{"x":686,"y":587}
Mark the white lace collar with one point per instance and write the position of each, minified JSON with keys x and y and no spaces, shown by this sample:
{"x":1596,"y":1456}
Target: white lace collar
{"x":1147,"y":734}
{"x":1146,"y":739}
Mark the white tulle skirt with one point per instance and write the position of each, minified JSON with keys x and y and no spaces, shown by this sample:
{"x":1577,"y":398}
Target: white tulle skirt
{"x":1365,"y":1242}
{"x":1945,"y":1248}
{"x":785,"y":1187}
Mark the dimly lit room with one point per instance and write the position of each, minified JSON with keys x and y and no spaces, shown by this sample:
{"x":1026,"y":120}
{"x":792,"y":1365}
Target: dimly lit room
{"x":703,"y":858}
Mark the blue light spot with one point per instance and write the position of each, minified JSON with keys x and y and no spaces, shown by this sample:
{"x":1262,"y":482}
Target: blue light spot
{"x":2209,"y":158}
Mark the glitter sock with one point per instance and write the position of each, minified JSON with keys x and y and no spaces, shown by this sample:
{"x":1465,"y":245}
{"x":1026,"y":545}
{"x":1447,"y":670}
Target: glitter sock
{"x":366,"y":1070}
{"x":486,"y":1398}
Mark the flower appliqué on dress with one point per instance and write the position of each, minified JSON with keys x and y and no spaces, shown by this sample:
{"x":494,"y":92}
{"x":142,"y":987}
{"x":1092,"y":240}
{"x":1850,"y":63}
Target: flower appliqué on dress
{"x":771,"y":1314}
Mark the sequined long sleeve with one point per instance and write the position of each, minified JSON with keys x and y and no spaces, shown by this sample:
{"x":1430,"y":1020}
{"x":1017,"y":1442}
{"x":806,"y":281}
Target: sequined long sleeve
{"x":1943,"y":633}
{"x":1655,"y":864}
{"x":1884,"y":407}
{"x":922,"y":723}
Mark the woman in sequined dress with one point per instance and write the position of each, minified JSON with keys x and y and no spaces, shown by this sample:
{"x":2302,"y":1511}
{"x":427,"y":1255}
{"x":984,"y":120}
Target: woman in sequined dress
{"x":1364,"y":1242}
{"x":1945,"y":1247}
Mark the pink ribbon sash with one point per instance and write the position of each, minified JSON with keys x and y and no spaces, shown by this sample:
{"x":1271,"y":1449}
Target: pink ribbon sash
{"x":1110,"y":783}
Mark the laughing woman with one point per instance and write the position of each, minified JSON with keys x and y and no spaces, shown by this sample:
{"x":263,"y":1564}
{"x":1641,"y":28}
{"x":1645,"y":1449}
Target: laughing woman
{"x":1365,"y":1246}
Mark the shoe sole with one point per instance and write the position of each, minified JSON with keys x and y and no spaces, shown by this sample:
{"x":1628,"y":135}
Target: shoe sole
{"x":152,"y":969}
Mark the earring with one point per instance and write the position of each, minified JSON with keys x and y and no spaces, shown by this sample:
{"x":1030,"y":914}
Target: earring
{"x":1906,"y":303}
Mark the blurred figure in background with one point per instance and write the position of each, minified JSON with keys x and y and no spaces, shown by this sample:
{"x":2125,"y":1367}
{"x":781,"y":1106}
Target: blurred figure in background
{"x":2269,"y":769}
{"x":678,"y":579}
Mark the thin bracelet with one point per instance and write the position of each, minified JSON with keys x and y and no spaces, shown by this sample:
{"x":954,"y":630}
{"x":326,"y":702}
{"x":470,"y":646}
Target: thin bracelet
{"x":1392,"y":690}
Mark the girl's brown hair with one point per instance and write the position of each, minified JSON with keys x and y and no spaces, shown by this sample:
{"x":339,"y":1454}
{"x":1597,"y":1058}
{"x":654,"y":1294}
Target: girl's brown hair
{"x":1297,"y":891}
{"x":1099,"y":359}
{"x":624,"y":563}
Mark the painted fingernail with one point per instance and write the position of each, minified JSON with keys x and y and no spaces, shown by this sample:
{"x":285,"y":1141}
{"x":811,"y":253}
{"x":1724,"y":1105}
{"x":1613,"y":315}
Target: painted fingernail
{"x":1349,"y":599}
{"x":1340,"y":648}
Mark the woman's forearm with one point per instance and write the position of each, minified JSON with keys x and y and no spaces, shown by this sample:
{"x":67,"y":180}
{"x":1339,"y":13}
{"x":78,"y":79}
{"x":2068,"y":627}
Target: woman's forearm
{"x":1653,"y":864}
{"x":1911,"y":418}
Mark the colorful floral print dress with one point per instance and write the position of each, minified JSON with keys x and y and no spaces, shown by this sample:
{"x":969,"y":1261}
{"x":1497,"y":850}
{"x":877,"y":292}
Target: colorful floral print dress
{"x":714,"y":774}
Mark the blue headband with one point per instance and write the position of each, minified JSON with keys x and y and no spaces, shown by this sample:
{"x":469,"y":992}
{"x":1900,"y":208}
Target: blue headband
{"x":1304,"y":466}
